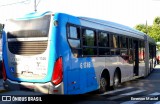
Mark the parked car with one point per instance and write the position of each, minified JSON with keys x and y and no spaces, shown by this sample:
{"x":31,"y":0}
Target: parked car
{"x":158,"y":57}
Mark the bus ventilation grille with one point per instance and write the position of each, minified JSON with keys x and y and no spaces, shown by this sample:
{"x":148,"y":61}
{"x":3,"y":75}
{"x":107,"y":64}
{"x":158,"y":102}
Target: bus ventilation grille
{"x":27,"y":47}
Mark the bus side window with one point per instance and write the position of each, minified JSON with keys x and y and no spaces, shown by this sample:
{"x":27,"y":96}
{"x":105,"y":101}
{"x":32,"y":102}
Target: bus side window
{"x":103,"y":43}
{"x":141,"y":51}
{"x":103,"y":39}
{"x":74,"y":32}
{"x":130,"y":50}
{"x":89,"y":42}
{"x":114,"y":44}
{"x":74,"y":40}
{"x":123,"y":42}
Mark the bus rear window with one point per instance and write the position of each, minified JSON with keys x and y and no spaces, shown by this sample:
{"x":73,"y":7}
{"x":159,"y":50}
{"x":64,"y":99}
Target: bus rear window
{"x":29,"y":28}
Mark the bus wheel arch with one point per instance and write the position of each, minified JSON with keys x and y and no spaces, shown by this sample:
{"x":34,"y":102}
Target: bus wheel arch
{"x":116,"y":78}
{"x":104,"y":81}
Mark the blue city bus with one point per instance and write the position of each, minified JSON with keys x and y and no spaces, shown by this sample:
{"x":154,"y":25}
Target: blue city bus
{"x":64,"y":54}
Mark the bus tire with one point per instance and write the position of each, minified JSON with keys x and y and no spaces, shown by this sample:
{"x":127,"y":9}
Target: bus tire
{"x":150,"y":68}
{"x":116,"y":80}
{"x":103,"y":84}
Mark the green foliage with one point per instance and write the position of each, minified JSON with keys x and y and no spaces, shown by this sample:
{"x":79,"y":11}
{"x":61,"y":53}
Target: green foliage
{"x":156,"y":21}
{"x":141,"y":27}
{"x":153,"y":30}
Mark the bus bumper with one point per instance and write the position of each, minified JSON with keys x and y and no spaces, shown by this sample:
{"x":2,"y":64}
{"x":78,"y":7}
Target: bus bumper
{"x":45,"y":88}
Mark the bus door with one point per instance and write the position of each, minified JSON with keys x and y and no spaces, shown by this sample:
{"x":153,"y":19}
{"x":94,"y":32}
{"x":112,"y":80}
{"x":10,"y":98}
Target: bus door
{"x":136,"y":57}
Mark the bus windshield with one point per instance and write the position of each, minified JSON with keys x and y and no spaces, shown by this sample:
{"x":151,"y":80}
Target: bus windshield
{"x":29,"y":28}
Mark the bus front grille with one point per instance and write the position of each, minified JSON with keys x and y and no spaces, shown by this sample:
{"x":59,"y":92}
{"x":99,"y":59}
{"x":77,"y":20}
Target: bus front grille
{"x":27,"y":47}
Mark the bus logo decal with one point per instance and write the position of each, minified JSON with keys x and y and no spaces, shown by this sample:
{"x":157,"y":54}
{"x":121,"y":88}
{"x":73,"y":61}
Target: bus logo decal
{"x":12,"y":69}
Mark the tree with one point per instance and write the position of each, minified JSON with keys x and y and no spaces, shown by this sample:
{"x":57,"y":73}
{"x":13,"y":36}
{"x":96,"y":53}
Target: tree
{"x":155,"y":33}
{"x":141,"y":27}
{"x":156,"y":21}
{"x":153,"y":30}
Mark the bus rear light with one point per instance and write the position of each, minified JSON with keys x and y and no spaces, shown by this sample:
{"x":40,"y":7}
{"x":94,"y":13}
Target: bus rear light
{"x":4,"y":71}
{"x":57,"y":75}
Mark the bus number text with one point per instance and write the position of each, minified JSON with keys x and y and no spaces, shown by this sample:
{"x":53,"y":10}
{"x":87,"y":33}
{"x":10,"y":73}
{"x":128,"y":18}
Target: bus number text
{"x":85,"y":65}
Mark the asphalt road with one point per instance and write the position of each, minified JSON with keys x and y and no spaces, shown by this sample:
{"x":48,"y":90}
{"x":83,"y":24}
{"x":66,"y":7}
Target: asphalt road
{"x":146,"y":90}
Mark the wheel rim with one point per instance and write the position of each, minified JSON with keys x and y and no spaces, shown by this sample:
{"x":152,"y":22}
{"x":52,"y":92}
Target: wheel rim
{"x":116,"y":81}
{"x":103,"y":84}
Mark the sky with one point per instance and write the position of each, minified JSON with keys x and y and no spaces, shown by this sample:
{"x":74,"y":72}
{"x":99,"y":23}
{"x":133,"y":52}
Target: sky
{"x":126,"y":12}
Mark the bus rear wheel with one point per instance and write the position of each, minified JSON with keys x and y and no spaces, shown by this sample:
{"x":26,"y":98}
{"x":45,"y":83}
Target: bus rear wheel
{"x":103,"y":84}
{"x":116,"y":80}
